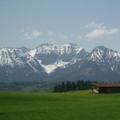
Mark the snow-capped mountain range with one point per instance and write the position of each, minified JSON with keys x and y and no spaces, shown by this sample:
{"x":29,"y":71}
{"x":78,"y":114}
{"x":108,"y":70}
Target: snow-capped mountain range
{"x":63,"y":62}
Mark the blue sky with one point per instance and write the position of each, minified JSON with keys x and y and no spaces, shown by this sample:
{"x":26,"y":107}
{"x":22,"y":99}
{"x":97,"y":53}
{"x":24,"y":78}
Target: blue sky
{"x":88,"y":23}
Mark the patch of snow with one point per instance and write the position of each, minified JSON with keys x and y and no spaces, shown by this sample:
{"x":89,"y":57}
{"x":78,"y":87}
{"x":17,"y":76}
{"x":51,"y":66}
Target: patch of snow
{"x":78,"y":50}
{"x":51,"y":67}
{"x":33,"y":52}
{"x":113,"y":67}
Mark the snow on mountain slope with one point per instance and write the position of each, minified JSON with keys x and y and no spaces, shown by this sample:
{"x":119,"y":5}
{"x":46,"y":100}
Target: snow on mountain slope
{"x":14,"y":57}
{"x":52,"y":56}
{"x":51,"y":67}
{"x":50,"y":53}
{"x":33,"y":52}
{"x":11,"y":56}
{"x":51,"y":48}
{"x":103,"y":55}
{"x":78,"y":50}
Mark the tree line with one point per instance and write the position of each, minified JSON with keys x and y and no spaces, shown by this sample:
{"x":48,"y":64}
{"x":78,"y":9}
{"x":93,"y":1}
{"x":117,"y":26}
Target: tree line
{"x":71,"y":85}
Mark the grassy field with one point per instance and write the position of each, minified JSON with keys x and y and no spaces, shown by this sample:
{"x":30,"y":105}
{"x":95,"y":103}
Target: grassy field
{"x":81,"y":105}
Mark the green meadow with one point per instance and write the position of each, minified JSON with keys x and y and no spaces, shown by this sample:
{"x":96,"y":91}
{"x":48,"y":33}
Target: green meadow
{"x":80,"y":105}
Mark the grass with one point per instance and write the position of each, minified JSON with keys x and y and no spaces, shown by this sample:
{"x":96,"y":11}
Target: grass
{"x":80,"y":105}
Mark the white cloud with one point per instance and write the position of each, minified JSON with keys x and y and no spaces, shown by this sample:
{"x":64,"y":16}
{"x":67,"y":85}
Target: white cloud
{"x":32,"y":35}
{"x":101,"y":32}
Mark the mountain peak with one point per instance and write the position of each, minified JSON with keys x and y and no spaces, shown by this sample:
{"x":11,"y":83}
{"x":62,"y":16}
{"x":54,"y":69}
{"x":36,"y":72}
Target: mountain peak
{"x":103,"y":48}
{"x":47,"y":48}
{"x":104,"y":55}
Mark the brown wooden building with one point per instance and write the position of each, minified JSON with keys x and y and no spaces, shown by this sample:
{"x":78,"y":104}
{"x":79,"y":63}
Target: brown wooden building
{"x":106,"y":88}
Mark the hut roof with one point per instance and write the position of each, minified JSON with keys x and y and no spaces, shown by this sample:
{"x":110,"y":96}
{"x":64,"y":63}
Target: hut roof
{"x":107,"y":85}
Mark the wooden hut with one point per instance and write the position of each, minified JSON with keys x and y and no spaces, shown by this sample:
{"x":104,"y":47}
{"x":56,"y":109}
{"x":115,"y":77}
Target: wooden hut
{"x":106,"y":88}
